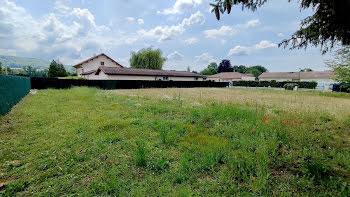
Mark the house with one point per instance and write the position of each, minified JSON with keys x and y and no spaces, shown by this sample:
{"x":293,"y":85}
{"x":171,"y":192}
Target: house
{"x":323,"y":78}
{"x":230,"y":76}
{"x":102,"y":67}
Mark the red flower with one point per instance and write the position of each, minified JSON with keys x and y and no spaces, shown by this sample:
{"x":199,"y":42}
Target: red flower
{"x":268,"y":115}
{"x":267,"y":122}
{"x":228,"y":117}
{"x":287,"y":121}
{"x":265,"y":118}
{"x":292,"y":125}
{"x":253,"y":130}
{"x":295,"y":121}
{"x":225,"y":140}
{"x":283,"y":122}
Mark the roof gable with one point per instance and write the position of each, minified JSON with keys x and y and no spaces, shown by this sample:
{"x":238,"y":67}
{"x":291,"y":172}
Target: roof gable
{"x":95,"y":57}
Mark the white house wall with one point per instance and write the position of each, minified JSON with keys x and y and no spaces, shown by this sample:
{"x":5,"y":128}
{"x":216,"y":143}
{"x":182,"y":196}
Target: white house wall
{"x":95,"y":64}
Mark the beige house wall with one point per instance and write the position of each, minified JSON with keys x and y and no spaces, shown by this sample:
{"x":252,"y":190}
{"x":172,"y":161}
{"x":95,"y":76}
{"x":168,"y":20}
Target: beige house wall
{"x":95,"y":64}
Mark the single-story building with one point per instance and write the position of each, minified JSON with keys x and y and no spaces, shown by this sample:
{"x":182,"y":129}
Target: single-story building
{"x":231,"y":76}
{"x":323,"y":78}
{"x":102,"y":67}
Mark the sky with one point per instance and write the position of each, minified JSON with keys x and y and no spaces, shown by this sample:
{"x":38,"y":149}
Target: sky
{"x":185,"y":30}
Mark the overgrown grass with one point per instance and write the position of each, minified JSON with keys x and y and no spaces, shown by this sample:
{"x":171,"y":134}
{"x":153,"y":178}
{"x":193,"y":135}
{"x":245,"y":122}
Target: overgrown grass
{"x":92,"y":142}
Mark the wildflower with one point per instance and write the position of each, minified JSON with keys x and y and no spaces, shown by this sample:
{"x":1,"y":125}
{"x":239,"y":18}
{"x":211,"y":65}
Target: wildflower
{"x":253,"y":130}
{"x":225,"y":140}
{"x":228,"y":117}
{"x":295,"y":121}
{"x":283,"y":122}
{"x":267,"y":122}
{"x":265,"y":118}
{"x":292,"y":125}
{"x":268,"y":115}
{"x":212,"y":170}
{"x":287,"y":121}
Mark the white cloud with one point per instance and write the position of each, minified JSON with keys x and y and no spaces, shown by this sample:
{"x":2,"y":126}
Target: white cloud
{"x":191,"y":40}
{"x":239,"y":50}
{"x":163,"y":33}
{"x":62,"y":6}
{"x":54,"y":35}
{"x":264,"y":44}
{"x":140,"y":21}
{"x":196,"y":18}
{"x":204,"y":58}
{"x":280,"y":35}
{"x":223,"y":31}
{"x":180,"y":6}
{"x":230,"y":30}
{"x":130,"y":19}
{"x":175,"y":56}
{"x":243,"y":50}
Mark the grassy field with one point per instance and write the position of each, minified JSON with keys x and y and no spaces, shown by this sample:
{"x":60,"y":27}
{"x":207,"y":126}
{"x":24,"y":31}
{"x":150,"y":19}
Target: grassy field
{"x":176,"y":142}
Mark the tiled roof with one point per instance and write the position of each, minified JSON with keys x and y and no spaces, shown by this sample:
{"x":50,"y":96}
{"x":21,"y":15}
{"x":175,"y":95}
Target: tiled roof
{"x":229,"y":75}
{"x":89,"y":72}
{"x":147,"y":72}
{"x":295,"y":75}
{"x":96,"y":56}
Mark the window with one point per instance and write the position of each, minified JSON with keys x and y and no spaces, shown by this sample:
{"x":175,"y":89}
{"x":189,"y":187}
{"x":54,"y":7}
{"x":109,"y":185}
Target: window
{"x":102,"y":63}
{"x":196,"y":78}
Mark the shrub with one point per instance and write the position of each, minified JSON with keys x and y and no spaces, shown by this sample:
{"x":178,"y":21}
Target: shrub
{"x":275,"y":84}
{"x":289,"y":86}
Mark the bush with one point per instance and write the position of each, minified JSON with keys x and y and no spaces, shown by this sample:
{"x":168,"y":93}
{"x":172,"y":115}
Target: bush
{"x":275,"y":84}
{"x":289,"y":86}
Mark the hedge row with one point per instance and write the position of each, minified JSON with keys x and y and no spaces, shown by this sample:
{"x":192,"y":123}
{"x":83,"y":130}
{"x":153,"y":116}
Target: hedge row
{"x":275,"y":84}
{"x":12,"y":90}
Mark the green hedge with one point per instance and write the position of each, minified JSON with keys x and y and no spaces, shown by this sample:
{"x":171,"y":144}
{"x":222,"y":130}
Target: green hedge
{"x":275,"y":84}
{"x":12,"y":90}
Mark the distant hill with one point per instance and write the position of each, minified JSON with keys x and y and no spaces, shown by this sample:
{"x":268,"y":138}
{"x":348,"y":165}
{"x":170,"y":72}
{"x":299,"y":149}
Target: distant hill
{"x":19,"y":62}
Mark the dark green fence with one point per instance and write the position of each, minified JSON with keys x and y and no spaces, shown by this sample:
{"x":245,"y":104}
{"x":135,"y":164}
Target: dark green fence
{"x":12,"y":90}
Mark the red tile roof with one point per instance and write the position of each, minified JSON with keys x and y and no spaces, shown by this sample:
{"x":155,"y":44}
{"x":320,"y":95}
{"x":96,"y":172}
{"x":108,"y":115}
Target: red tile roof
{"x":295,"y":75}
{"x":92,"y":58}
{"x":147,"y":72}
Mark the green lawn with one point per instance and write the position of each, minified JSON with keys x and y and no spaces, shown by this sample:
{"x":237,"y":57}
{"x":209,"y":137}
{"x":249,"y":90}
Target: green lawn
{"x":85,"y":141}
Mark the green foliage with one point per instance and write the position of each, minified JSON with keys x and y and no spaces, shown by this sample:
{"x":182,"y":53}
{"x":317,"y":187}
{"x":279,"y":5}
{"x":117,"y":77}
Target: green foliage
{"x":328,"y":25}
{"x":212,"y":69}
{"x":140,"y":154}
{"x":304,"y":84}
{"x":56,"y":69}
{"x":1,"y":71}
{"x":341,"y":65}
{"x":289,"y":86}
{"x":306,"y":70}
{"x":147,"y":59}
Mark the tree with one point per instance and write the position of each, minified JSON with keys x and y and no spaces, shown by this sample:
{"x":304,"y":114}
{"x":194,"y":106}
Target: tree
{"x":188,"y":69}
{"x":210,"y":70}
{"x":327,"y":26}
{"x":341,"y":65}
{"x":56,"y":69}
{"x":240,"y":69}
{"x":148,"y":59}
{"x":306,"y":70}
{"x":1,"y":71}
{"x":225,"y":66}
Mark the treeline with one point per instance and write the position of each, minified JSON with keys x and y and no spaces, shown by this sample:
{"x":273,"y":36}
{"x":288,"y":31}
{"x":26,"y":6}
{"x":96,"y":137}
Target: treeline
{"x":225,"y":66}
{"x":56,"y":69}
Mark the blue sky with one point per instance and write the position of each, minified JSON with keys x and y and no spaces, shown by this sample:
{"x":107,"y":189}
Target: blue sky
{"x":185,"y":30}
